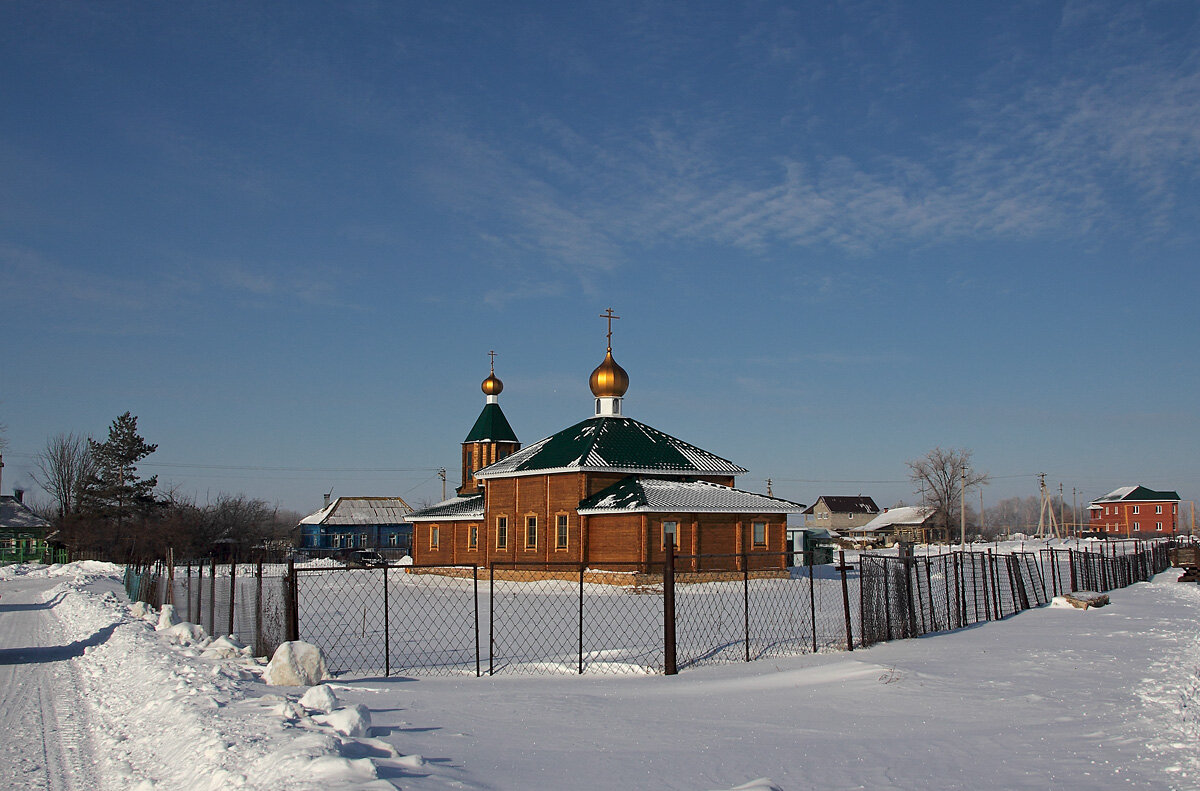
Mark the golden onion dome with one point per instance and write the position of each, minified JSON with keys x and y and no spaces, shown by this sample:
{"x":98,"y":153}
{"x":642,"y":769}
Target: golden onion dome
{"x":609,"y":379}
{"x":492,"y":385}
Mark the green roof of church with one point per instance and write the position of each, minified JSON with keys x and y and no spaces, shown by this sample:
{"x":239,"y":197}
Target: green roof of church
{"x":491,"y":426}
{"x":604,"y":444}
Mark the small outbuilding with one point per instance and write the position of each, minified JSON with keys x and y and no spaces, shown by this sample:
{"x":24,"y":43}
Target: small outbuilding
{"x":905,"y":523}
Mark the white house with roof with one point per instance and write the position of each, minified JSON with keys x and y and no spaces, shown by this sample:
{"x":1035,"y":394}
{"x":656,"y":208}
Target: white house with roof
{"x":906,"y":522}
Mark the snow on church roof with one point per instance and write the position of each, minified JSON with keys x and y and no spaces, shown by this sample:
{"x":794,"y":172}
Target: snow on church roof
{"x":456,"y":508}
{"x":656,"y":495}
{"x":607,"y":444}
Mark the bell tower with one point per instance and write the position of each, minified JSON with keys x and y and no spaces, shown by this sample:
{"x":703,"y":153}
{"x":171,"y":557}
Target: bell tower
{"x":491,"y":438}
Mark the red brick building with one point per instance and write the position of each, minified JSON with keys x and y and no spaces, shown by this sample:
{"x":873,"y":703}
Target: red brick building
{"x":1134,"y":512}
{"x":608,"y":492}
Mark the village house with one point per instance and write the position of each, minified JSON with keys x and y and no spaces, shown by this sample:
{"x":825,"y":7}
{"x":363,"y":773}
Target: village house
{"x":23,"y":533}
{"x":1134,"y":512}
{"x":838,"y":513}
{"x":609,"y":492}
{"x":903,"y":523}
{"x":358,"y":522}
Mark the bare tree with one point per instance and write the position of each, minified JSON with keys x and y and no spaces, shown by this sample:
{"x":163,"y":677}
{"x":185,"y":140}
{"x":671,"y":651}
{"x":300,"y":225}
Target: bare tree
{"x":62,"y":468}
{"x":938,"y":476}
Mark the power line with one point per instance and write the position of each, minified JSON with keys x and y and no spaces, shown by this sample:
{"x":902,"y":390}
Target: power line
{"x":261,"y":468}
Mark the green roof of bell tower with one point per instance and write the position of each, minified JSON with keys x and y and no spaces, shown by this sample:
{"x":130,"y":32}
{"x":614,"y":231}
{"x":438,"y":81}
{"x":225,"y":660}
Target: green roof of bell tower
{"x":491,"y":426}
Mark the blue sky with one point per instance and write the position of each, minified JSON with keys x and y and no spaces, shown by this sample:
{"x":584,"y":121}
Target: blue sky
{"x":285,"y":235}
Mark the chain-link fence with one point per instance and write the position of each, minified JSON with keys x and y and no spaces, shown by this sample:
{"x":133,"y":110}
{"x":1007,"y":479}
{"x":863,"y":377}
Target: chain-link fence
{"x":908,"y":596}
{"x":647,"y":618}
{"x":391,"y":619}
{"x":245,"y":600}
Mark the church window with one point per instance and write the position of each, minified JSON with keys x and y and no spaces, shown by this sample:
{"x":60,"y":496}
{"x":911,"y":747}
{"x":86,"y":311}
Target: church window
{"x":1158,"y":509}
{"x":473,"y":537}
{"x":435,"y":537}
{"x":502,"y":532}
{"x":760,"y":534}
{"x":560,"y":534}
{"x":531,"y":532}
{"x":670,"y":532}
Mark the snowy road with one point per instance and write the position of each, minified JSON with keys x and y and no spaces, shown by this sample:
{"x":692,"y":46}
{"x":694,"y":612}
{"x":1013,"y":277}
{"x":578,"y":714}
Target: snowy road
{"x":92,"y":696}
{"x":46,"y":743}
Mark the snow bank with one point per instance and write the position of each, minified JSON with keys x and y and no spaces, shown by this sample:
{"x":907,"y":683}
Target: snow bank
{"x":163,"y":718}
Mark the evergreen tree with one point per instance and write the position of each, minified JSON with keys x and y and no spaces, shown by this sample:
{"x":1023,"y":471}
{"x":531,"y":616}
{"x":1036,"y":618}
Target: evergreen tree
{"x":114,"y":490}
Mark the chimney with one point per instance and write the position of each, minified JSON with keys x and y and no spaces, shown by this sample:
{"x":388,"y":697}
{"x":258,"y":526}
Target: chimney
{"x":20,"y":495}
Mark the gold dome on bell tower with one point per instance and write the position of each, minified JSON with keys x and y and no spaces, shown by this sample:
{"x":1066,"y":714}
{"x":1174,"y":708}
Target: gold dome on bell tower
{"x":492,"y":386}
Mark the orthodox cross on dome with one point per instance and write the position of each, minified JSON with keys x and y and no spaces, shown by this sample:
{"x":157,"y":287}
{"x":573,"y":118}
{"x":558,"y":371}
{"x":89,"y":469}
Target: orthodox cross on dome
{"x":608,"y":314}
{"x":492,"y":354}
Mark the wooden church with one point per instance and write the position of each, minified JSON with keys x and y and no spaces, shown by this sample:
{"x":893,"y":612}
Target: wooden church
{"x":609,"y":492}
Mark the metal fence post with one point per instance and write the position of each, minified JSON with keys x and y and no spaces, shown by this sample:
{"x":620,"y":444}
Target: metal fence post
{"x":581,"y":568}
{"x":232,"y":590}
{"x":475,"y":581}
{"x":258,"y":609}
{"x":212,"y":597}
{"x":745,"y":602}
{"x":812,"y":599}
{"x":846,"y":599}
{"x":170,"y":598}
{"x":293,"y":590}
{"x":387,"y":627}
{"x":492,"y":619}
{"x":669,"y":666}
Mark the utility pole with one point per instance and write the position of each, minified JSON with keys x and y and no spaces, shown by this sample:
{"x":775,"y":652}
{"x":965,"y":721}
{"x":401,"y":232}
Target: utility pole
{"x":1074,"y":512}
{"x":982,"y":526}
{"x":442,"y":474}
{"x":1061,"y":505}
{"x":769,"y":488}
{"x":1045,"y":511}
{"x":963,"y":511}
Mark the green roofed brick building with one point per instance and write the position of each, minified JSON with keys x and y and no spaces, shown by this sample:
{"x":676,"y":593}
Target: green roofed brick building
{"x":1134,"y":512}
{"x":609,"y":492}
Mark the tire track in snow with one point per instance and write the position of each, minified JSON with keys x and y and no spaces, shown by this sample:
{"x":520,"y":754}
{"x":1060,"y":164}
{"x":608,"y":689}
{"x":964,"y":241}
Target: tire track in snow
{"x":42,"y":712}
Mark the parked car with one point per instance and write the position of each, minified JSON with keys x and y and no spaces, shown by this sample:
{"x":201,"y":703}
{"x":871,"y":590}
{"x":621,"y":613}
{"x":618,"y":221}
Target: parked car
{"x":361,"y":558}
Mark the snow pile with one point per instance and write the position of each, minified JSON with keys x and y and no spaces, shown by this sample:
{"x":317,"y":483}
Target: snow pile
{"x":296,"y":664}
{"x":349,"y":721}
{"x":320,"y":698}
{"x":164,"y":718}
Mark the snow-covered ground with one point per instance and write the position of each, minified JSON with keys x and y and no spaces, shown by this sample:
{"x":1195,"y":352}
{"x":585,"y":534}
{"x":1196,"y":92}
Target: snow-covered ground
{"x":91,"y":696}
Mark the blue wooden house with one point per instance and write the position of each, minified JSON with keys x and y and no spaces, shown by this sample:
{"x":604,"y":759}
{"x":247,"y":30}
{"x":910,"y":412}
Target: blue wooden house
{"x":360,"y":523}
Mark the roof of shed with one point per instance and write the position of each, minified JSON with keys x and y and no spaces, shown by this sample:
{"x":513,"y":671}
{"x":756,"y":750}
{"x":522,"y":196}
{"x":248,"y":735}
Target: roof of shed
{"x":361,"y":511}
{"x":655,"y":495}
{"x":605,"y":444}
{"x":904,"y":515}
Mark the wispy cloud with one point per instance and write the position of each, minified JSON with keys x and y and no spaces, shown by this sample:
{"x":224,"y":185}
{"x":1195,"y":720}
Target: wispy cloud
{"x":1071,"y":152}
